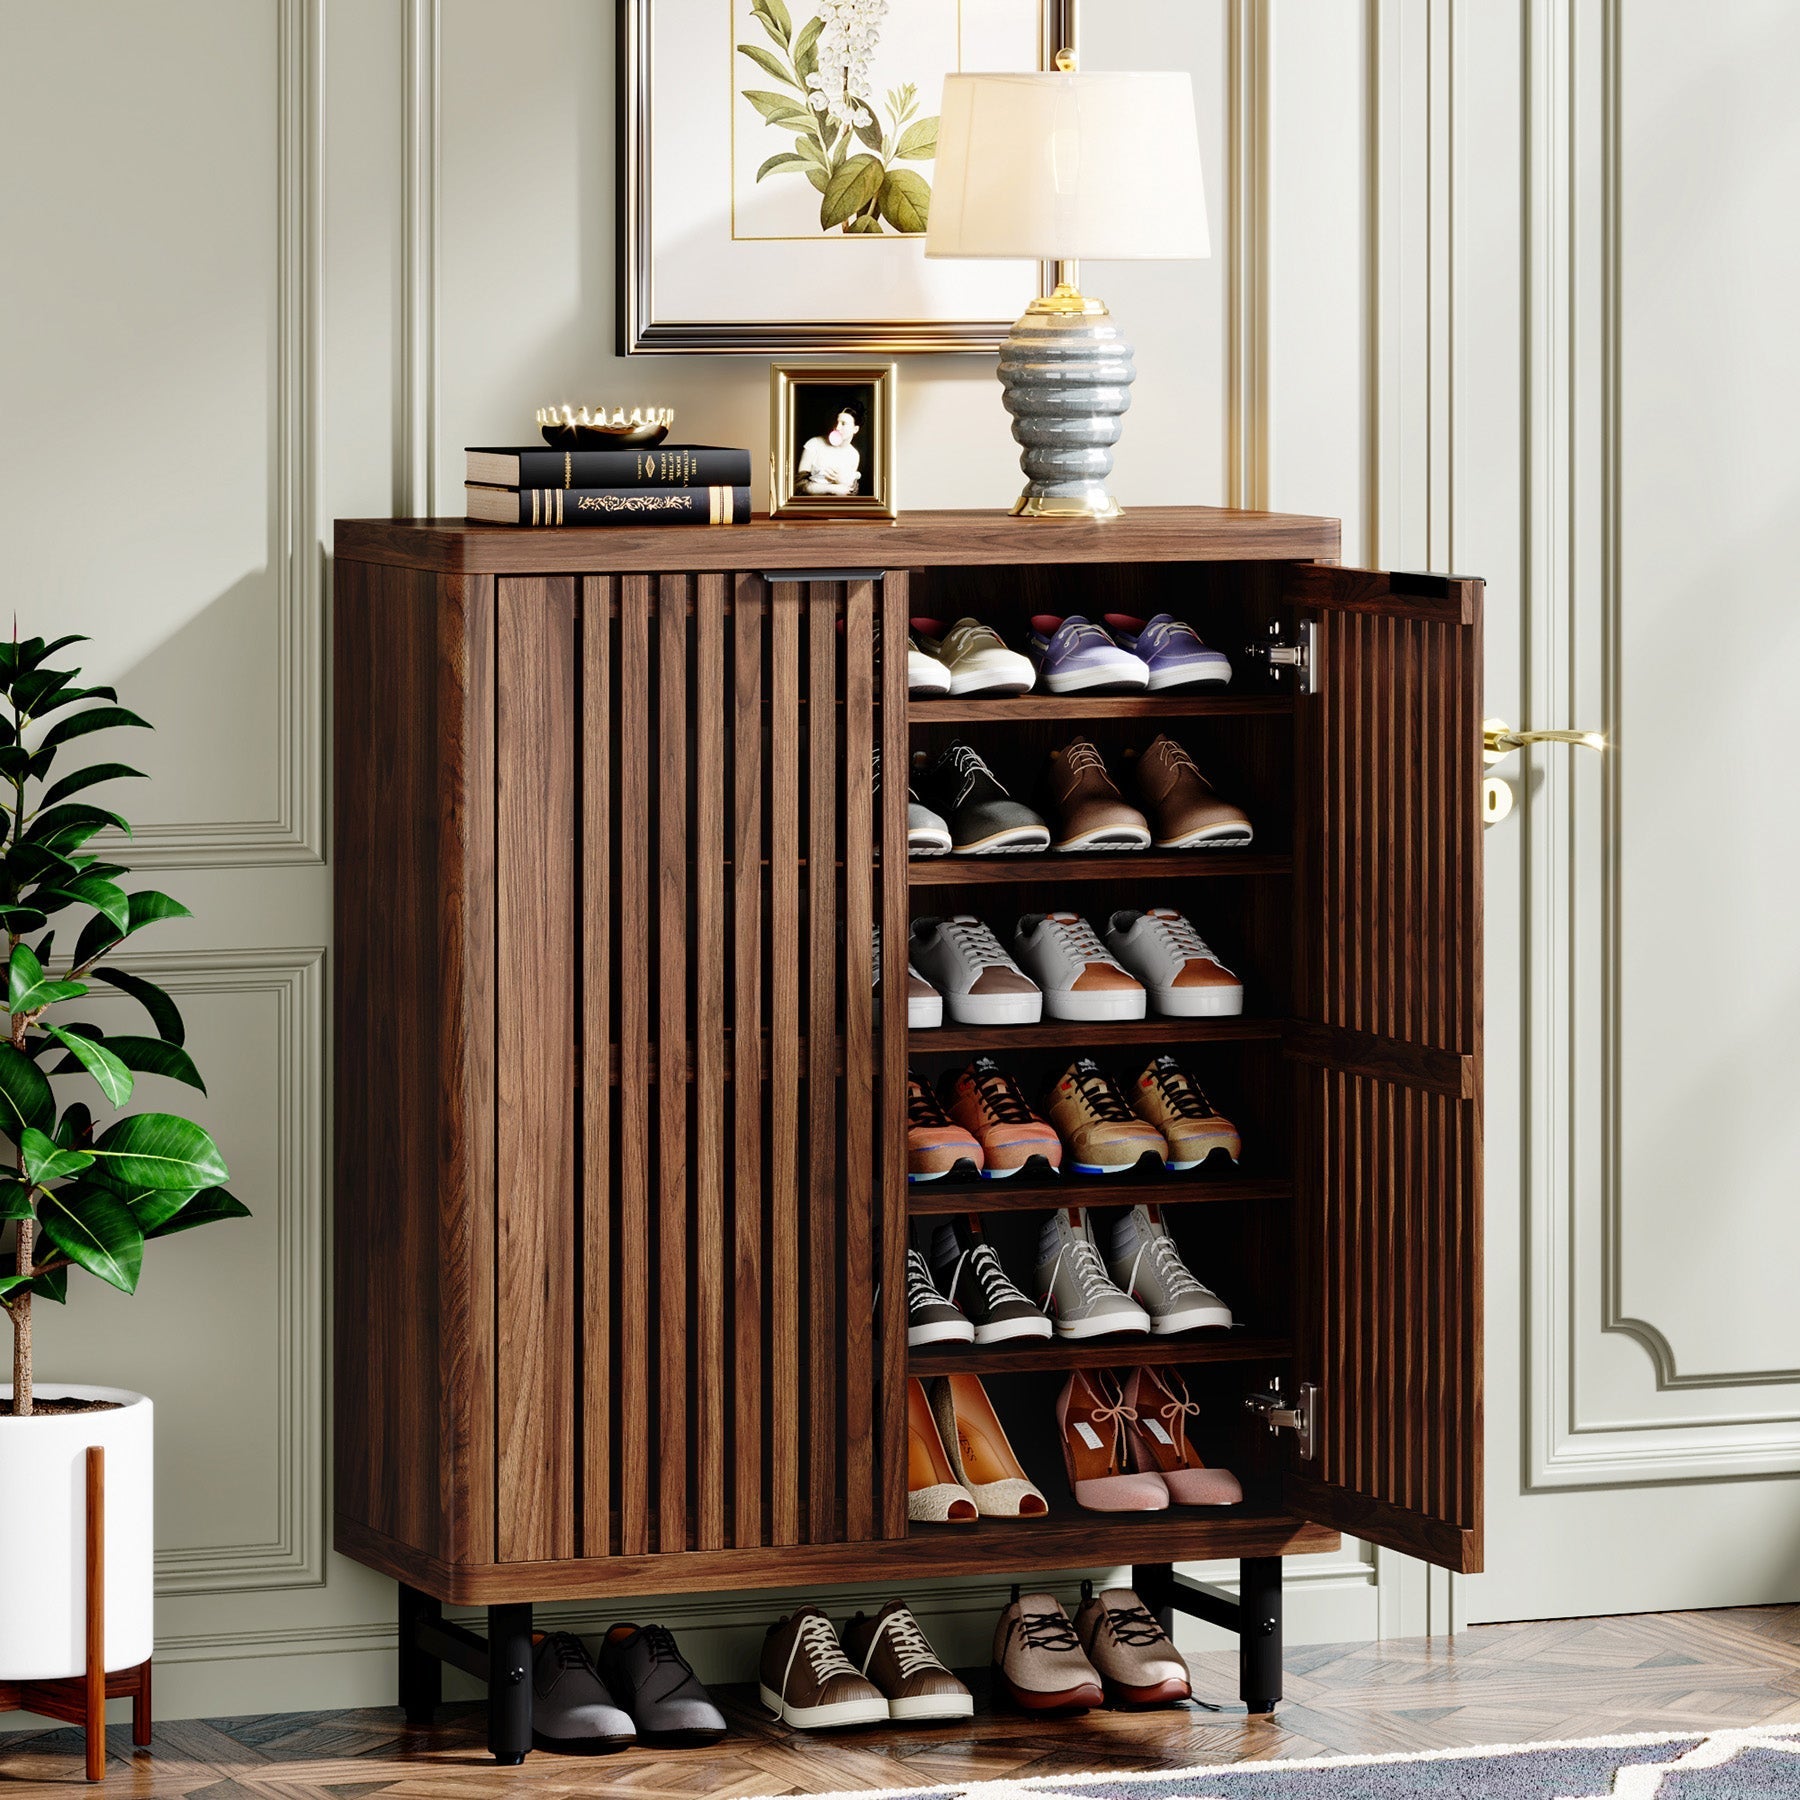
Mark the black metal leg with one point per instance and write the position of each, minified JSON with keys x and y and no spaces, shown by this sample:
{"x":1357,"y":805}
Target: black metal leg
{"x":1259,"y":1632}
{"x":1154,"y":1584}
{"x":421,"y":1674}
{"x":509,"y":1682}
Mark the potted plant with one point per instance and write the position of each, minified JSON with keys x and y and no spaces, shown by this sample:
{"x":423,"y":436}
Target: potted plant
{"x":77,"y":1191}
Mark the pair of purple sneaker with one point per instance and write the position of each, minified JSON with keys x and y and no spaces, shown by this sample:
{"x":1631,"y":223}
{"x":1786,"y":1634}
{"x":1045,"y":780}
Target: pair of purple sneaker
{"x":1076,"y":655}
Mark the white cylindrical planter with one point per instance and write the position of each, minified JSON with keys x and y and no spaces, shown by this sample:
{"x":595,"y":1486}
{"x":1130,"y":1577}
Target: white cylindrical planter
{"x":43,"y":1510}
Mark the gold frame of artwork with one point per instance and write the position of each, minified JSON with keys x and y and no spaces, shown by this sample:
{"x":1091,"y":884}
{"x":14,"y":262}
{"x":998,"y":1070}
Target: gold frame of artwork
{"x":785,"y":381}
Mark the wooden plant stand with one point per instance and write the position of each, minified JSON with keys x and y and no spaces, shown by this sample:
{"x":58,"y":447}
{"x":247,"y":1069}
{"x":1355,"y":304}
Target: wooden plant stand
{"x":81,"y":1699}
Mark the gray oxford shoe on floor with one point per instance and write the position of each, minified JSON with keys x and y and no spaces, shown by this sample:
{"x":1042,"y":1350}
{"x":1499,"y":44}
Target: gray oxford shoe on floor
{"x":651,"y":1680}
{"x":571,"y":1711}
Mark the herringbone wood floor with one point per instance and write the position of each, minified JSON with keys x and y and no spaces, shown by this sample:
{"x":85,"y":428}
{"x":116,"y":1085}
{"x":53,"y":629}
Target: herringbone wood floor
{"x":1672,"y":1672}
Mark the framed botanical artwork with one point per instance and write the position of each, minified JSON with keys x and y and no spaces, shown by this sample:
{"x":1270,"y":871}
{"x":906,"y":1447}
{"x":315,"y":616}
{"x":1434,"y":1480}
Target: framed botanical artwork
{"x":831,"y":440}
{"x":775,"y":173}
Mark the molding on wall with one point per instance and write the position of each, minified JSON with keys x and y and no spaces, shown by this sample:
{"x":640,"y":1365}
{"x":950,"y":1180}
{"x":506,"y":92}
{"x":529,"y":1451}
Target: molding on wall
{"x":296,"y":832}
{"x":1248,"y":100}
{"x":1573,"y":477}
{"x":420,"y":225}
{"x":293,"y":1552}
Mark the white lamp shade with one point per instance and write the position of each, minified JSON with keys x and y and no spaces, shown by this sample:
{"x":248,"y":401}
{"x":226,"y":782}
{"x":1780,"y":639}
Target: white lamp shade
{"x":1068,"y":166}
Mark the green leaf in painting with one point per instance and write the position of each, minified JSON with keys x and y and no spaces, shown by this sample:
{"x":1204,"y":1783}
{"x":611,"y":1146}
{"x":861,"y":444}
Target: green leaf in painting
{"x":850,"y":190}
{"x":906,"y":201}
{"x":87,"y":778}
{"x":808,"y":149}
{"x":100,"y":1062}
{"x":100,"y":718}
{"x":44,"y":1162}
{"x":769,"y":65}
{"x":776,"y":164}
{"x":865,"y":225}
{"x":777,"y":10}
{"x":918,"y":142}
{"x":98,"y":1232}
{"x":164,"y":1014}
{"x":778,"y":109}
{"x":806,"y":48}
{"x":870,"y":133}
{"x":818,"y":178}
{"x":159,"y":1150}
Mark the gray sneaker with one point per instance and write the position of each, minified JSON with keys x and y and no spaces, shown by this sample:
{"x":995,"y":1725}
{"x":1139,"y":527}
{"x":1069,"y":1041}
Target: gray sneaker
{"x":930,"y":1318}
{"x":1146,"y":1263}
{"x":571,"y":1711}
{"x":1073,"y":1286}
{"x":641,"y":1665}
{"x":971,"y":1276}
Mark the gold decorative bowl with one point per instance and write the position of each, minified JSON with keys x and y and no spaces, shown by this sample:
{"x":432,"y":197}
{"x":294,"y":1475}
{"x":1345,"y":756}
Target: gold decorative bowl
{"x":581,"y":428}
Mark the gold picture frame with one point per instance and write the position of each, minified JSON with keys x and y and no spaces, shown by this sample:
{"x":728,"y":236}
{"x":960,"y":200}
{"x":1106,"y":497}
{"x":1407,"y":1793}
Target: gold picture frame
{"x":831,"y":424}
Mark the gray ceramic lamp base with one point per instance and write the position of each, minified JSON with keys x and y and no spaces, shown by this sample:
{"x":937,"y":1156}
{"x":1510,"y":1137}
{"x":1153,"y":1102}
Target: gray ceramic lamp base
{"x":1066,"y":378}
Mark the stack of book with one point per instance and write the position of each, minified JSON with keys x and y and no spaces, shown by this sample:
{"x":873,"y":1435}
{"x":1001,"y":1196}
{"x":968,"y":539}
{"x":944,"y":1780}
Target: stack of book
{"x":672,"y":484}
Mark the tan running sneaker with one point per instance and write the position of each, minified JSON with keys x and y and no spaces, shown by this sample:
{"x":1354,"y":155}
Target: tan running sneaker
{"x":1132,"y":1652}
{"x":1176,"y":1104}
{"x":1038,"y":1661}
{"x":1184,"y":811}
{"x":808,"y":1681}
{"x":1087,"y":811}
{"x":895,"y":1654}
{"x":1100,"y":1133}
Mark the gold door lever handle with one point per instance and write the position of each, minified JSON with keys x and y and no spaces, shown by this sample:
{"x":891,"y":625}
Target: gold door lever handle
{"x":1499,"y":740}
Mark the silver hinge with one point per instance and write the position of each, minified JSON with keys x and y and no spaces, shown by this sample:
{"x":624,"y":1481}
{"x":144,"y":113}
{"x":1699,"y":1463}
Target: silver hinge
{"x":1299,"y":653}
{"x":1301,"y":1420}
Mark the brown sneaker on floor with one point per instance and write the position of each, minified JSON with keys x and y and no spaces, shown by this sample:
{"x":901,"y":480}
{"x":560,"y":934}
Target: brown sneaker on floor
{"x":1184,"y":811}
{"x":1038,"y":1661}
{"x":1132,"y":1652}
{"x":809,"y":1682}
{"x":1086,"y":808}
{"x":895,"y":1654}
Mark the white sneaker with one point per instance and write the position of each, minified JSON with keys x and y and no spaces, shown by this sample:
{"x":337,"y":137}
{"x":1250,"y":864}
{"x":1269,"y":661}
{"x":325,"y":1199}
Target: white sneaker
{"x":1081,"y":979}
{"x":1185,"y":979}
{"x":980,"y":662}
{"x":1073,"y":1286}
{"x":1147,"y":1265}
{"x":980,"y":983}
{"x":925,"y":673}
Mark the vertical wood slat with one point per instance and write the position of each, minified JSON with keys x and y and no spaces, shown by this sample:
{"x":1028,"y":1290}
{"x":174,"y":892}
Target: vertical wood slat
{"x":712,"y":1249}
{"x":599,"y":598}
{"x":891,"y":1278}
{"x":632,"y":1239}
{"x":782,"y":934}
{"x":859,"y":1059}
{"x":535,"y":815}
{"x":822,"y":1053}
{"x":747,"y":1064}
{"x":674,"y":1374}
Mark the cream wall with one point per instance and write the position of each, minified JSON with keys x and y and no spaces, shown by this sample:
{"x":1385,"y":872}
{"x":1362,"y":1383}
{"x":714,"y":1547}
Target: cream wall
{"x":268,"y":262}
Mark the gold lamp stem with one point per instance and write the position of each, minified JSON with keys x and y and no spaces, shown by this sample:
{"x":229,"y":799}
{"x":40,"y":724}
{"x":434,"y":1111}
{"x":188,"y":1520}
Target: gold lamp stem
{"x":1068,"y":49}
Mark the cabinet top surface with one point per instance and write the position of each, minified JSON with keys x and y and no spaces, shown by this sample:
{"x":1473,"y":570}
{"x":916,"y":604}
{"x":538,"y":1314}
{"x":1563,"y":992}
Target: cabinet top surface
{"x":913,"y":541}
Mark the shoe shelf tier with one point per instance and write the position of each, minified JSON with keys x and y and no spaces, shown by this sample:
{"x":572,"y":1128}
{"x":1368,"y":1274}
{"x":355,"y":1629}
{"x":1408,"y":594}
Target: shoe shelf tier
{"x":1126,"y":865}
{"x":954,"y":1199}
{"x":1124,"y":1351}
{"x":1061,"y":1034}
{"x":1052,"y":707}
{"x":1067,"y":1537}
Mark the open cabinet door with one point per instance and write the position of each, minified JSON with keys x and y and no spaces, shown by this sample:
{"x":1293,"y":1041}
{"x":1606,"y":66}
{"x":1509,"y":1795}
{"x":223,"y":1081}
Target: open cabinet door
{"x":1387,"y":986}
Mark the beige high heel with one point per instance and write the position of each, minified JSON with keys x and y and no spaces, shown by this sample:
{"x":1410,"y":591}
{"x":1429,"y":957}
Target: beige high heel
{"x":984,"y":1461}
{"x":933,"y":1494}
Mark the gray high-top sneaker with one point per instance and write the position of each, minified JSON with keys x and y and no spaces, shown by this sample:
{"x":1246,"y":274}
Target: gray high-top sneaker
{"x":971,"y":1277}
{"x":1147,"y":1265}
{"x":571,"y":1710}
{"x":1073,"y":1286}
{"x":651,"y":1679}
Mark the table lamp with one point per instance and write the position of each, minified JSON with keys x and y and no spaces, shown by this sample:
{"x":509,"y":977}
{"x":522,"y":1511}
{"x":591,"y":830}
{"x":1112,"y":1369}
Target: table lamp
{"x":1057,"y":167}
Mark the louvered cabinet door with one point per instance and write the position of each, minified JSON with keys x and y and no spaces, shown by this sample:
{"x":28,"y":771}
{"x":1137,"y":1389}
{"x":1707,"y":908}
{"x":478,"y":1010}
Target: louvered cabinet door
{"x":1388,"y":998}
{"x":689,"y":1172}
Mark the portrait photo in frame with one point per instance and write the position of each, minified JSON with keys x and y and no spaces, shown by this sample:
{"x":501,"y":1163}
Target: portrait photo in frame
{"x":832,"y":434}
{"x":775,"y":169}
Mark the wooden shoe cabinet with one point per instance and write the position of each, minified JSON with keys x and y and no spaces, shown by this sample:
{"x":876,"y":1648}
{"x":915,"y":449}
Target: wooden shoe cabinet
{"x":621,"y":1207}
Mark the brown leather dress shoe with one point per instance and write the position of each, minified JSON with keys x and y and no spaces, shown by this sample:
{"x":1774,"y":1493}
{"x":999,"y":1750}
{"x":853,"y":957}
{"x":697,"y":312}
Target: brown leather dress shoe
{"x":1185,"y":813}
{"x":1087,"y":811}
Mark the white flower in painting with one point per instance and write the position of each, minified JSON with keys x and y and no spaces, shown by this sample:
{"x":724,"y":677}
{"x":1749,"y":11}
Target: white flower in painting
{"x":847,"y":43}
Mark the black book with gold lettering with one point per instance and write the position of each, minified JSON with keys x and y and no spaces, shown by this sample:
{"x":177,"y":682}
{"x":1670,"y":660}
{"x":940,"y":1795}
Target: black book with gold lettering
{"x":657,"y":466}
{"x":608,"y":506}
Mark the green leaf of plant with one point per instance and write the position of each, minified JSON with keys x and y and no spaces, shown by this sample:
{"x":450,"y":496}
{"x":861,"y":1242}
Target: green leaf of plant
{"x":918,"y":142}
{"x":850,"y":190}
{"x":776,"y":108}
{"x":49,"y":694}
{"x":207,"y":1207}
{"x":45,"y":1162}
{"x":146,"y":907}
{"x":100,"y":1062}
{"x":74,"y":1127}
{"x":768,"y":64}
{"x":776,"y":164}
{"x":98,"y":1232}
{"x":164,"y":1014}
{"x":806,"y":48}
{"x":21,"y":918}
{"x":159,"y":1150}
{"x":27,"y":655}
{"x":53,"y":1286}
{"x":30,"y":988}
{"x":87,"y":778}
{"x":107,"y":898}
{"x":870,"y":133}
{"x":151,"y":1056}
{"x":154,"y":1207}
{"x":906,"y":201}
{"x":25,"y":1096}
{"x":72,"y":823}
{"x":102,"y":718}
{"x":15,"y":1201}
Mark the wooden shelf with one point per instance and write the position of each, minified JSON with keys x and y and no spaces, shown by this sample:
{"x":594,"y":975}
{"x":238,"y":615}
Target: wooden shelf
{"x":1125,"y":865}
{"x":1123,"y":1352}
{"x":924,"y":710}
{"x":1075,"y":1035}
{"x":925,"y":1199}
{"x":1068,"y":1537}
